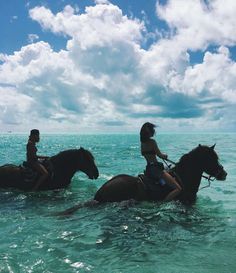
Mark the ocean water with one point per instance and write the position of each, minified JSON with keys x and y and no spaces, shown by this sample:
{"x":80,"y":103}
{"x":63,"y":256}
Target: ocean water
{"x":115,"y":238}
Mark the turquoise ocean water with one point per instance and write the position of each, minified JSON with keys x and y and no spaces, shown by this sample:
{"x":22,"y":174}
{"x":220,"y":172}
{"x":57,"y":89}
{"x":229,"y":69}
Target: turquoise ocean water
{"x":148,"y":237}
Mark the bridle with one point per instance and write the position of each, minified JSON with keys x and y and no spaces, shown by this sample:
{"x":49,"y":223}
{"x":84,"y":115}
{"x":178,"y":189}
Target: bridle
{"x":209,"y":178}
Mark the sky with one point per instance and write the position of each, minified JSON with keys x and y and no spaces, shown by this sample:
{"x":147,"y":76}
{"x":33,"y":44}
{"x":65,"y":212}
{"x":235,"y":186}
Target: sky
{"x":99,"y":66}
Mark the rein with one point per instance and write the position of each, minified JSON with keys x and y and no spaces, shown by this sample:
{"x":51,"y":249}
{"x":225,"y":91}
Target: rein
{"x":208,"y":178}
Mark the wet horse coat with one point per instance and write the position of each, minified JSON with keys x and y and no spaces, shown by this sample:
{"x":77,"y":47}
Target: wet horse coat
{"x":64,"y":164}
{"x":189,"y":170}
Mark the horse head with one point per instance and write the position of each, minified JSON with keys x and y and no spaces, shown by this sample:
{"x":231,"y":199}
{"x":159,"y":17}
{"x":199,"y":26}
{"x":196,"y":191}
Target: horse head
{"x":86,"y":164}
{"x":210,"y":162}
{"x":190,"y":169}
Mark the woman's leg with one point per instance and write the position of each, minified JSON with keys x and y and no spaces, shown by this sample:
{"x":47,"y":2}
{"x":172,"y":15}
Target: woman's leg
{"x":43,"y":174}
{"x":172,"y":183}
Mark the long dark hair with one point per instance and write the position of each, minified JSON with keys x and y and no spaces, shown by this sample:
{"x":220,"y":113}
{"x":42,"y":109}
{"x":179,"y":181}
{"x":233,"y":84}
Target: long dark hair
{"x":34,"y":132}
{"x":147,"y":131}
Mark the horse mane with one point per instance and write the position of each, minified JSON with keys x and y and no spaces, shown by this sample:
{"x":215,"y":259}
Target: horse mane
{"x":66,"y":153}
{"x":87,"y":154}
{"x":196,"y":151}
{"x":72,"y":155}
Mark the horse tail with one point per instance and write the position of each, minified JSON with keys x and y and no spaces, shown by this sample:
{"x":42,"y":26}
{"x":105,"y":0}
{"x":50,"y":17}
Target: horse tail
{"x":71,"y":210}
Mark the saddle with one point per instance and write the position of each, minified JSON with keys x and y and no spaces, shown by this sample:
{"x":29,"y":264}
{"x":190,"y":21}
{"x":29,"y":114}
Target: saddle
{"x":155,"y":189}
{"x":29,"y":175}
{"x":150,"y":182}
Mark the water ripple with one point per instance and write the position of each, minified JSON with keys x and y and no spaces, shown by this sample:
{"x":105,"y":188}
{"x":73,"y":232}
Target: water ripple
{"x":145,"y":237}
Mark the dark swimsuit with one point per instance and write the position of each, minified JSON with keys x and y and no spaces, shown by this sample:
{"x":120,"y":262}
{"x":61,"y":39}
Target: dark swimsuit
{"x":154,"y":170}
{"x":31,"y":154}
{"x":156,"y":185}
{"x":157,"y":188}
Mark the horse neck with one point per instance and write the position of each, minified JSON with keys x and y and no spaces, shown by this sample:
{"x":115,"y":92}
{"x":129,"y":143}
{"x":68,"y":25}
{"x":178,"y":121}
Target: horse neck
{"x":190,"y":172}
{"x":64,"y":164}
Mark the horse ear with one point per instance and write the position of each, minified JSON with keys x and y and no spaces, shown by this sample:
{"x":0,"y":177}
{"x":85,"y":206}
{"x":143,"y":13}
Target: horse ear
{"x":199,"y":145}
{"x":213,"y":147}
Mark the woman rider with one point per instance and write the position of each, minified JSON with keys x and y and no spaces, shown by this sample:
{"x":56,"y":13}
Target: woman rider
{"x":150,"y":150}
{"x":32,"y":157}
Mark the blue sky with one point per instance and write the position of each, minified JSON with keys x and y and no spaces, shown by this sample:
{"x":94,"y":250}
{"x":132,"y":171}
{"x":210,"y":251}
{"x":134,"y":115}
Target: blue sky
{"x":17,"y":24}
{"x":108,"y":66}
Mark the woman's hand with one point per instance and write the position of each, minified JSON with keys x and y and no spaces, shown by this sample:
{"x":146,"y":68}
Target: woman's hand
{"x":164,"y":156}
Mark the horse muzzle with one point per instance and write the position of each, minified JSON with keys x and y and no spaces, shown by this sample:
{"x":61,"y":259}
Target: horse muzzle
{"x":221,"y":176}
{"x":93,"y":175}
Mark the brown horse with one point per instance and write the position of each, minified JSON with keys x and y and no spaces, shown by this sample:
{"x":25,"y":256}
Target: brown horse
{"x":189,"y":171}
{"x":64,"y":165}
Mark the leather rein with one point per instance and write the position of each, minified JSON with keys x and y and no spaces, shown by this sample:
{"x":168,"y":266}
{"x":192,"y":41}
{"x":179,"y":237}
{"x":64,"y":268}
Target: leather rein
{"x":209,"y":178}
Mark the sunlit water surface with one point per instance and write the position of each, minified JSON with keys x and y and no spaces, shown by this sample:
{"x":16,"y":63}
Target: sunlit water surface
{"x":147,"y":237}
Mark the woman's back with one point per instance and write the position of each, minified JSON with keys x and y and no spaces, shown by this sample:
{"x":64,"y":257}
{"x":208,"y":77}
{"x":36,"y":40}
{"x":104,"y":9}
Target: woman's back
{"x":148,"y":150}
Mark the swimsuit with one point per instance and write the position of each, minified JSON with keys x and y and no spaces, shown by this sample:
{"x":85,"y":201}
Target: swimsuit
{"x":31,"y":153}
{"x":154,"y":170}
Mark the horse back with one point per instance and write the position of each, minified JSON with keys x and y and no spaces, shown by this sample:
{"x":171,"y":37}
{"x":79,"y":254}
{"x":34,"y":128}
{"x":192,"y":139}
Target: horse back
{"x":9,"y":175}
{"x":119,"y":188}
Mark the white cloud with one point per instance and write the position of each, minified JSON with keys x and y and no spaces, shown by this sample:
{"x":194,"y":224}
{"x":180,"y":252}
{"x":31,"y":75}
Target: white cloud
{"x":216,"y":76}
{"x":13,"y":18}
{"x":198,"y":23}
{"x":14,"y":106}
{"x":101,"y":1}
{"x":25,"y":64}
{"x":104,"y":78}
{"x":32,"y":38}
{"x":100,"y":25}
